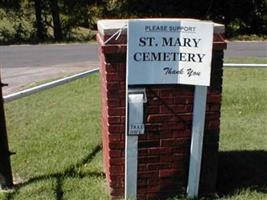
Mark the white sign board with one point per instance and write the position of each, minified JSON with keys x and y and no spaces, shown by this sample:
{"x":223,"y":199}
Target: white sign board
{"x":169,"y":51}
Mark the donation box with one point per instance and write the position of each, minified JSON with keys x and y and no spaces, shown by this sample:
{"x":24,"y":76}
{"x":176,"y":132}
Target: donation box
{"x":161,"y":86}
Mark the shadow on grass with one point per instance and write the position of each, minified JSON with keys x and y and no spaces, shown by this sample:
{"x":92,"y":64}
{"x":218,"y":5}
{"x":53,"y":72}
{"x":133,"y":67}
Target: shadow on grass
{"x":71,"y":171}
{"x":242,"y":170}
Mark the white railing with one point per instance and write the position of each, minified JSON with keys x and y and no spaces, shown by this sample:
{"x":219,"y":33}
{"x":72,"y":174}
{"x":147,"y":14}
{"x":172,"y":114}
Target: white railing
{"x":235,"y":65}
{"x":36,"y":89}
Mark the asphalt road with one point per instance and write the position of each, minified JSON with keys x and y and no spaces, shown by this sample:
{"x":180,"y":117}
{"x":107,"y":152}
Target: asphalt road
{"x":246,"y":49}
{"x":22,"y":65}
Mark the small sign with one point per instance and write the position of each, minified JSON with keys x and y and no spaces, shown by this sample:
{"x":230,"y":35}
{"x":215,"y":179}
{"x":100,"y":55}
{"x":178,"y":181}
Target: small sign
{"x":169,"y":51}
{"x":136,"y":129}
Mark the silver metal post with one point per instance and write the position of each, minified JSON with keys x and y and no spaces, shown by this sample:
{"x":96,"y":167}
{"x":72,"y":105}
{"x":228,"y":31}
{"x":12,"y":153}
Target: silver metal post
{"x":197,"y":140}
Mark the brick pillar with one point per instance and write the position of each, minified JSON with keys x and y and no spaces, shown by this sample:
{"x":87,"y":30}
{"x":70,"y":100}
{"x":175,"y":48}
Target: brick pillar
{"x":163,"y":151}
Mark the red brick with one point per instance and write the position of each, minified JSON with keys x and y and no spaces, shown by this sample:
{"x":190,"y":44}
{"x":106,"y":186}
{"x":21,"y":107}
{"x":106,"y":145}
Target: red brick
{"x":164,"y":134}
{"x":163,"y":124}
{"x":114,"y":137}
{"x":167,"y":173}
{"x":113,"y":102}
{"x":152,"y":195}
{"x":116,"y":111}
{"x":160,"y":118}
{"x":116,"y":93}
{"x":118,"y":129}
{"x":153,"y":189}
{"x":141,"y":182}
{"x":111,"y":68}
{"x":153,"y":109}
{"x":140,"y":197}
{"x":142,"y":167}
{"x":183,"y":100}
{"x":148,"y":159}
{"x":116,"y":145}
{"x":117,"y":192}
{"x":123,"y":119}
{"x":147,"y":174}
{"x":111,"y":77}
{"x":152,"y":127}
{"x":213,"y":108}
{"x":172,"y":158}
{"x":116,"y":180}
{"x":166,"y":92}
{"x":117,"y":161}
{"x":153,"y":180}
{"x":172,"y":126}
{"x":158,"y":166}
{"x":115,"y":153}
{"x":181,"y":133}
{"x":152,"y":135}
{"x":142,"y":152}
{"x":173,"y":142}
{"x":116,"y":170}
{"x":114,"y":120}
{"x":164,"y":109}
{"x":113,"y":86}
{"x":212,"y":116}
{"x":166,"y":100}
{"x":159,"y":151}
{"x":214,"y":99}
{"x":213,"y":124}
{"x":148,"y":143}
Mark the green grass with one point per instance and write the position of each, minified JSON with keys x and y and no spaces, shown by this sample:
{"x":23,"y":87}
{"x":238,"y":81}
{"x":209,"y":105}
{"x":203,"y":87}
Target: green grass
{"x":56,"y":136}
{"x":244,"y":109}
{"x":257,"y":60}
{"x":243,"y":142}
{"x":57,"y":140}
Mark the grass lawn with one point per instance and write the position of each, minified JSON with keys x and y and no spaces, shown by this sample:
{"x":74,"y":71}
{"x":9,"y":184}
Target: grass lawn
{"x":56,"y":136}
{"x":257,"y":60}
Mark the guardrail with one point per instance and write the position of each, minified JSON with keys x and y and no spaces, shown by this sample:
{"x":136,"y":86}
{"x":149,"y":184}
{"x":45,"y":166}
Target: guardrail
{"x":235,"y":65}
{"x":33,"y":90}
{"x":36,"y":89}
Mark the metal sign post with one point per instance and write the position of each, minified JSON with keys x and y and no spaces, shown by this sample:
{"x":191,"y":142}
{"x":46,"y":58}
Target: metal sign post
{"x":134,"y":127}
{"x":198,"y":126}
{"x":6,"y":180}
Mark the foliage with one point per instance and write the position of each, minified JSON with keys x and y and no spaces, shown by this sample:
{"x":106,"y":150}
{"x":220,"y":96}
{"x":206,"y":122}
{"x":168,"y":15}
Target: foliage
{"x":19,"y":29}
{"x":27,"y":19}
{"x":239,"y":16}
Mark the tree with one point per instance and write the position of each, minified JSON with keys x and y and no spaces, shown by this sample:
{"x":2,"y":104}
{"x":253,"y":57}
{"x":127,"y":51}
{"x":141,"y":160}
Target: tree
{"x":41,"y":30}
{"x":56,"y":20}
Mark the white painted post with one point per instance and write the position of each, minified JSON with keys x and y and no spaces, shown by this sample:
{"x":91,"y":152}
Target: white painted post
{"x":135,"y":117}
{"x":131,"y":167}
{"x":200,"y":98}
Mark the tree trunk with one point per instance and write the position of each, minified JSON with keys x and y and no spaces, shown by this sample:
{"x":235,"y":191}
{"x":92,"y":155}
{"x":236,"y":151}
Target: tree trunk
{"x":56,"y":20}
{"x":39,"y":22}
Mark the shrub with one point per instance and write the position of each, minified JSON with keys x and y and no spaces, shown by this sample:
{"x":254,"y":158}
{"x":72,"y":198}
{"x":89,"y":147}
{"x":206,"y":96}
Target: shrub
{"x":14,"y":28}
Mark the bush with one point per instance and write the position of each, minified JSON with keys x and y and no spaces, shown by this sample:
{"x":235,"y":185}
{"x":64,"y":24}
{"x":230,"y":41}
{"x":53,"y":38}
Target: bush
{"x":14,"y":29}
